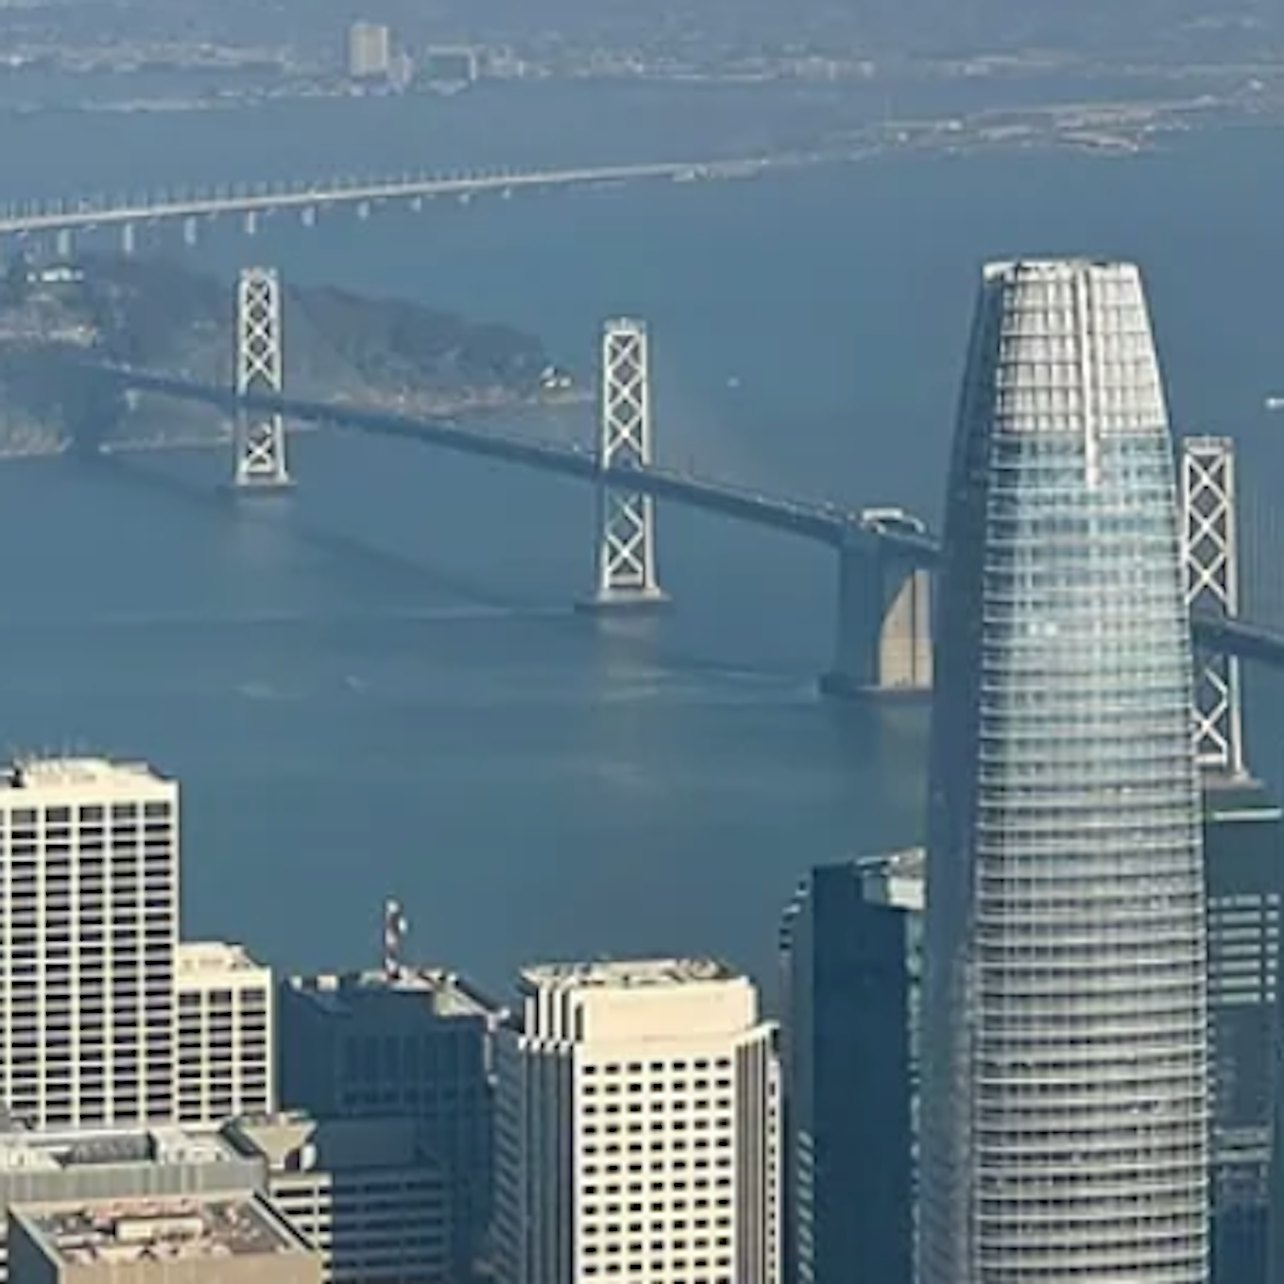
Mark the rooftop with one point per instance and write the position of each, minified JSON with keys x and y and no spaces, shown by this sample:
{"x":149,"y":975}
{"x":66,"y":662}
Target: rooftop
{"x":1009,"y":269}
{"x":22,"y":1150}
{"x":444,"y":993}
{"x":63,"y":773}
{"x":114,"y":1232}
{"x":627,"y":973}
{"x":294,"y":1141}
{"x":194,"y":957}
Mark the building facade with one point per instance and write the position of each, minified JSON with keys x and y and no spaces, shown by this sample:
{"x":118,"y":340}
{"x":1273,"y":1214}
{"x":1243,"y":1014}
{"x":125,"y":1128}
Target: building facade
{"x":638,"y":1128}
{"x":224,"y":1062}
{"x":1065,"y":1103}
{"x":365,"y":1193}
{"x":849,"y":957}
{"x":369,"y":50}
{"x":1243,"y":852}
{"x":416,"y":1043}
{"x":89,"y":897}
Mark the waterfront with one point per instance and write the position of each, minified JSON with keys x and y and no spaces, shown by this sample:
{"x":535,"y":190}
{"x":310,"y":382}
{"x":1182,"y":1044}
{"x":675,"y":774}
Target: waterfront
{"x":377,"y":685}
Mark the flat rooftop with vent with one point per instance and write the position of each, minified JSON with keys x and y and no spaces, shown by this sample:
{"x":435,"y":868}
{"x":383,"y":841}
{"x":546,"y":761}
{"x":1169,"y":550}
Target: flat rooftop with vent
{"x":99,"y":775}
{"x":239,"y":1239}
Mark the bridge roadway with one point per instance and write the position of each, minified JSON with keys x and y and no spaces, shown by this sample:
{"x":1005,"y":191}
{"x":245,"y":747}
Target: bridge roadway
{"x":822,"y":523}
{"x":82,"y":214}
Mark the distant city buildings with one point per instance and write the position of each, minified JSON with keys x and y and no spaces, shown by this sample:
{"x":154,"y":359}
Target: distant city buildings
{"x":225,"y":1033}
{"x":850,"y":954}
{"x":89,"y":884}
{"x":1065,"y":1092}
{"x":365,"y":1193}
{"x":369,"y":50}
{"x":195,"y":1239}
{"x":408,"y":1042}
{"x":1244,"y":863}
{"x":638,"y":1128}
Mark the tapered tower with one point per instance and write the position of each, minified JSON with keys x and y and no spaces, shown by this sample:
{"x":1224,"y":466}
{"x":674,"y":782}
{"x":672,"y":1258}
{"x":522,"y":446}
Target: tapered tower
{"x":1065,"y":1109}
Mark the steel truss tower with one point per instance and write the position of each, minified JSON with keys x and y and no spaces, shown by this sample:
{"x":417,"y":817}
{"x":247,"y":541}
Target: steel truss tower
{"x":260,"y":435}
{"x":1212,"y":585}
{"x":626,"y":520}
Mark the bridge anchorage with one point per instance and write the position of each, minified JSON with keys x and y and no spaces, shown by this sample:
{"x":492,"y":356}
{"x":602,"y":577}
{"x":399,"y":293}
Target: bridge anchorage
{"x":626,"y":573}
{"x":260,"y":434}
{"x":883,"y":627}
{"x":1211,"y":565}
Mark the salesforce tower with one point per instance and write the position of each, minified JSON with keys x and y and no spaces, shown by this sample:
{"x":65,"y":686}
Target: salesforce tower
{"x":1064,"y":1114}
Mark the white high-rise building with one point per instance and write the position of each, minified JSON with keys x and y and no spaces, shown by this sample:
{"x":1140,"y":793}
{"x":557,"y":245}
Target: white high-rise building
{"x":369,"y":50}
{"x":637,"y":1130}
{"x":88,"y":927}
{"x":224,"y":1059}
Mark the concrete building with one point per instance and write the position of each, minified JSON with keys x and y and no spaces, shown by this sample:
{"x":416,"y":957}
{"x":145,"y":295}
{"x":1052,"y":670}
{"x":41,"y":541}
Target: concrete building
{"x":89,"y":886}
{"x":365,"y":1193}
{"x":402,"y":1042}
{"x":638,"y":1128}
{"x":369,"y":50}
{"x":1244,"y":857}
{"x":176,"y":1239}
{"x":61,"y":1166}
{"x":224,"y":1060}
{"x":1065,"y":1111}
{"x":850,"y":953}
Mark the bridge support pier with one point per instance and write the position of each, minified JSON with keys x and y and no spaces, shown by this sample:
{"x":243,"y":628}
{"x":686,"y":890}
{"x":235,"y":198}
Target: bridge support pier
{"x":128,"y":239}
{"x":260,"y":435}
{"x":626,"y":573}
{"x":883,"y":629}
{"x":189,"y":231}
{"x":65,"y":243}
{"x":251,"y":222}
{"x":308,"y":217}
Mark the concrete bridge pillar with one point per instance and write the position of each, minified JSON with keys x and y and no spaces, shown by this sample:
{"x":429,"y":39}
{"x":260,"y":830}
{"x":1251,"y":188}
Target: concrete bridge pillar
{"x":251,"y":222}
{"x":66,"y":243}
{"x":128,"y":238}
{"x":189,"y":230}
{"x":883,"y":629}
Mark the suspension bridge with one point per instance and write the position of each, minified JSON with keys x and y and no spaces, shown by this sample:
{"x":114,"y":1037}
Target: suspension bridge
{"x":885,"y":556}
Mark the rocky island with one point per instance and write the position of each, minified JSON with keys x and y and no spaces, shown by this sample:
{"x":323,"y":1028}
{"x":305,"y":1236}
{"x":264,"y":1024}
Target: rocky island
{"x":160,"y":315}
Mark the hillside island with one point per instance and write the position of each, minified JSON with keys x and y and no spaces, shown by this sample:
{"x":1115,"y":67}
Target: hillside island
{"x":160,"y":315}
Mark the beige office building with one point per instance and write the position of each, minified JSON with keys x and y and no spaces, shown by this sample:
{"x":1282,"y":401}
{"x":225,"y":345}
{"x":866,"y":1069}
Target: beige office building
{"x":88,"y":926}
{"x":224,"y":1058}
{"x":637,"y":1128}
{"x":238,"y":1239}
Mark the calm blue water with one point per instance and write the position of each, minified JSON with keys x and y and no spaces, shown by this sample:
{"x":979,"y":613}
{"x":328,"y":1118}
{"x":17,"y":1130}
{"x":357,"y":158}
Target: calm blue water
{"x":376,"y":685}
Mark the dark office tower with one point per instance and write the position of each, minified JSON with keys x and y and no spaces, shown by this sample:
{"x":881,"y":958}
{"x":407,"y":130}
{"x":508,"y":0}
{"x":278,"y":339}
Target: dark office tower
{"x":1242,"y":854}
{"x":849,"y":948}
{"x":414,"y":1042}
{"x":1065,"y":1086}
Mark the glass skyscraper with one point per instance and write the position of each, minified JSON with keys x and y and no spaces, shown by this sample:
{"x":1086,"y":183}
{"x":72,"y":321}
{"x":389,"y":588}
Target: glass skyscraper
{"x":1065,"y":1107}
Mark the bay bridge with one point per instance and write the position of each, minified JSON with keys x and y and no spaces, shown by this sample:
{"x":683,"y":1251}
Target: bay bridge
{"x":65,"y":218}
{"x":885,"y":556}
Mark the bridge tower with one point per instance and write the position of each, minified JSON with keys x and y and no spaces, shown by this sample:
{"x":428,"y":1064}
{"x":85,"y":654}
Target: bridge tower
{"x":883,"y":642}
{"x":626,"y":574}
{"x":1211,"y":562}
{"x":260,"y":435}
